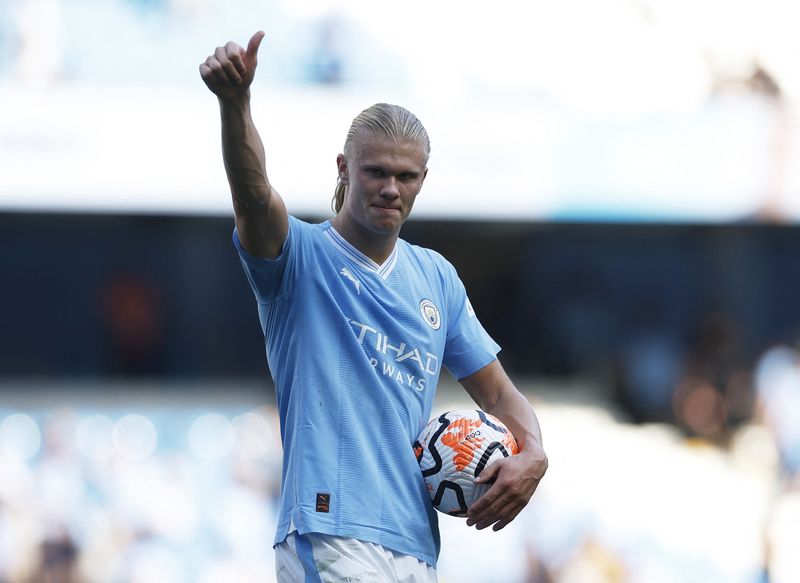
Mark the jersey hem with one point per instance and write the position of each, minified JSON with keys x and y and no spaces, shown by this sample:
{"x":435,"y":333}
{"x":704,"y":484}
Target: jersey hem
{"x":383,"y":538}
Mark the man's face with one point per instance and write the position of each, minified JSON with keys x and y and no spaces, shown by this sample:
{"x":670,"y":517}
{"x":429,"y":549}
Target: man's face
{"x":383,"y":178}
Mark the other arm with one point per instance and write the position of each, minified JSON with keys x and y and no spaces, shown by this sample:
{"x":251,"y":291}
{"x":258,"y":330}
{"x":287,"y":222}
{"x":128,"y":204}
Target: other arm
{"x":517,"y":477}
{"x":261,"y":218}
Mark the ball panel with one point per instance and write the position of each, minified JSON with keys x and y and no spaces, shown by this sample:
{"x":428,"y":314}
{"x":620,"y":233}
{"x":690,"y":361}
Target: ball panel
{"x":449,"y":498}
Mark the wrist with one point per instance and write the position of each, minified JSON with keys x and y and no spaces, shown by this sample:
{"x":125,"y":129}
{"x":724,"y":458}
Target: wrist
{"x":235,"y":101}
{"x":534,"y":455}
{"x":532,"y":448}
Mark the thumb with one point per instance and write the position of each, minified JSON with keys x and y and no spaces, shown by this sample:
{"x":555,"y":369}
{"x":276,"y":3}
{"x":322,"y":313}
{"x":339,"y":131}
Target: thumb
{"x":488,"y":475}
{"x":251,"y":54}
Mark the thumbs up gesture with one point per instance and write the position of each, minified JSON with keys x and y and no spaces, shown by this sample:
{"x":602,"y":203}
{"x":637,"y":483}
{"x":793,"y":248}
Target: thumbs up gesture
{"x":229,"y":72}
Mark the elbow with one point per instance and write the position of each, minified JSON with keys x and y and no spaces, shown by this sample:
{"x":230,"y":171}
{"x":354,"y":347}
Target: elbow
{"x":254,"y":203}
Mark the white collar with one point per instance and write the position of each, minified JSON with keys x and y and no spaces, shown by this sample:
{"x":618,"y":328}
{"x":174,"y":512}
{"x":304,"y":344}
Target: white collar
{"x":360,"y":258}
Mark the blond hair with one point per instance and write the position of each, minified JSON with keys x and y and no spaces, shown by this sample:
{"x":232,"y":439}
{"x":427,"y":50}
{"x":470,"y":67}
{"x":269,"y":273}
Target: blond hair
{"x":382,"y":120}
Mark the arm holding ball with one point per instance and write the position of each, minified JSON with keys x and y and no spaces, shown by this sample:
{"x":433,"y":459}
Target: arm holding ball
{"x":516,"y":477}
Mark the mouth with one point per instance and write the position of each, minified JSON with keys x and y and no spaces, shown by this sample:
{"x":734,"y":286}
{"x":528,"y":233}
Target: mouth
{"x":386,"y":209}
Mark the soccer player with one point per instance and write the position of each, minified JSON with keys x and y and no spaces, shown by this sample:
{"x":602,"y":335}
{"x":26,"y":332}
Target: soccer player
{"x":358,"y":325}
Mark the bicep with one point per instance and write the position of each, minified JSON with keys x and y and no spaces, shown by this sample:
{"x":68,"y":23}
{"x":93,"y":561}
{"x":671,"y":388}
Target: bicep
{"x":263,"y":229}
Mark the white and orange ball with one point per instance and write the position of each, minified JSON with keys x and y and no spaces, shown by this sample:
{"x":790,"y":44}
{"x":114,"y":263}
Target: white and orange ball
{"x":452,"y":451}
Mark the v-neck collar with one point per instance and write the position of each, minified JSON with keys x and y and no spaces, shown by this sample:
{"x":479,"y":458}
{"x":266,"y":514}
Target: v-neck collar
{"x":359,"y":258}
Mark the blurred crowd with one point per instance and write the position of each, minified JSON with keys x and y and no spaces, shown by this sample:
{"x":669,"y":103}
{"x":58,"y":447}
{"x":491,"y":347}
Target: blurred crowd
{"x":47,"y":43}
{"x":173,"y":494}
{"x":678,"y":128}
{"x":144,"y":492}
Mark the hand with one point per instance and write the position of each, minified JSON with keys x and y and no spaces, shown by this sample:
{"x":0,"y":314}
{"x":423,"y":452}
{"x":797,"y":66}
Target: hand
{"x":516,"y":479}
{"x":229,"y":72}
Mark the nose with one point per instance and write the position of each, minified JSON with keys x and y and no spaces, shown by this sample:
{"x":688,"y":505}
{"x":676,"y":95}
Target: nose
{"x":389,"y":188}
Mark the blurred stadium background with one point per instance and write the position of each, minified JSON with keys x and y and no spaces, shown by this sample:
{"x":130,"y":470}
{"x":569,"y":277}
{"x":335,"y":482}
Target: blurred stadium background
{"x":617,"y":181}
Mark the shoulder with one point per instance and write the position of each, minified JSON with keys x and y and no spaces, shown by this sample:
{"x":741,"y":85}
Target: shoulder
{"x":301,"y":224}
{"x":427,"y":258}
{"x":307,"y":231}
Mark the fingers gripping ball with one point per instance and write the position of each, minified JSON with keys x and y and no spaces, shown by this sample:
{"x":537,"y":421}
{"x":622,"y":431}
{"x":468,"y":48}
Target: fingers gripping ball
{"x":453,"y":450}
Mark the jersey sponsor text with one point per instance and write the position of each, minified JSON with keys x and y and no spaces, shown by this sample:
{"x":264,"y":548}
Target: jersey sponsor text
{"x":425,"y":362}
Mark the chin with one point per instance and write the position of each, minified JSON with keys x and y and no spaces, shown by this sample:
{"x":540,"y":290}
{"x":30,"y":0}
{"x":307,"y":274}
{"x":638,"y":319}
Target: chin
{"x":386,"y":229}
{"x":385,"y":225}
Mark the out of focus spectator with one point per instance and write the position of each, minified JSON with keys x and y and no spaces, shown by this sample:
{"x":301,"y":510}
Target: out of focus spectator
{"x":58,"y":561}
{"x":777,"y":379}
{"x":766,"y":98}
{"x":650,"y":364}
{"x":326,"y":59}
{"x":594,"y":562}
{"x":715,"y":392}
{"x":133,"y":314}
{"x":40,"y":36}
{"x":145,"y":6}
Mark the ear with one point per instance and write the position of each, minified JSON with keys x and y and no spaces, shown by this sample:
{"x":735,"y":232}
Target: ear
{"x":424,"y":176}
{"x":341,"y":166}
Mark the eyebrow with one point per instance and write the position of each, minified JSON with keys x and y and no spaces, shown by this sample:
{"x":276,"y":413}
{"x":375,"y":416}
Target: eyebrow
{"x":372,"y":166}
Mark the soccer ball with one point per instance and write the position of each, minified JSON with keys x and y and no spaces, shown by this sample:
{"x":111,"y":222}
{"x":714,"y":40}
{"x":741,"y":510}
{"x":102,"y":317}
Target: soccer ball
{"x":453,"y":450}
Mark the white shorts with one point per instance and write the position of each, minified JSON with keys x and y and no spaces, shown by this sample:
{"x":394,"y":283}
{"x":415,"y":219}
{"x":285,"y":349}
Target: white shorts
{"x":321,"y":558}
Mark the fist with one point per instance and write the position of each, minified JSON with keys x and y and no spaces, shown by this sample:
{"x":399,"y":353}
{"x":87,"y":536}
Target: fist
{"x":229,"y":72}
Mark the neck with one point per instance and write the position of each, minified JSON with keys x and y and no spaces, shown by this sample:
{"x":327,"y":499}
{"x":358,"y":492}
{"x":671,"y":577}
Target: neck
{"x":376,"y":246}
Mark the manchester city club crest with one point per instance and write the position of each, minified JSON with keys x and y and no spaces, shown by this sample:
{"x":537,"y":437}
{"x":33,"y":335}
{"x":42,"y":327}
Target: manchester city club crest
{"x":430,"y":313}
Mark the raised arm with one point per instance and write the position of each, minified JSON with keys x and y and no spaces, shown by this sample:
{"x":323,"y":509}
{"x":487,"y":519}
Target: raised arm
{"x":517,"y":477}
{"x":261,"y":219}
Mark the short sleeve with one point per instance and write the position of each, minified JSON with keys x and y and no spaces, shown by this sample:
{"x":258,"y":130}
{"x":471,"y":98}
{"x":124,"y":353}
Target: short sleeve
{"x":270,"y":279}
{"x":468,"y":347}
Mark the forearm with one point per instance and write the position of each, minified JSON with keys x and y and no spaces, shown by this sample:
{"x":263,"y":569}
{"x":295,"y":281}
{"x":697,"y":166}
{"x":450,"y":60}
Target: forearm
{"x":515,"y":411}
{"x":495,"y":393}
{"x":244,"y":158}
{"x":261,"y":218}
{"x":514,"y":478}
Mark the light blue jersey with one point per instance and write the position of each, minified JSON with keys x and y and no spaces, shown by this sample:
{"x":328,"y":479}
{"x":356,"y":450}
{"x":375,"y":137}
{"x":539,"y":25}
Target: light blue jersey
{"x":355,"y":350}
